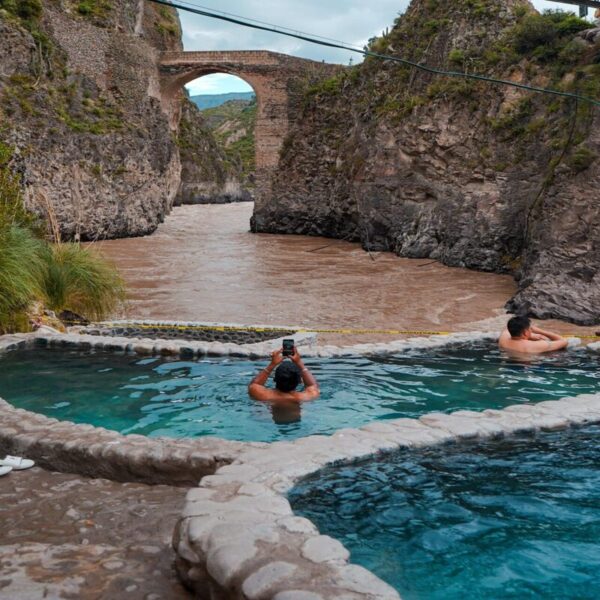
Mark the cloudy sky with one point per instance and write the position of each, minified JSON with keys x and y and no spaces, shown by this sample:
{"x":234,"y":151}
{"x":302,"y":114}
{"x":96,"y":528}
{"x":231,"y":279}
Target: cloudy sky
{"x":351,"y":21}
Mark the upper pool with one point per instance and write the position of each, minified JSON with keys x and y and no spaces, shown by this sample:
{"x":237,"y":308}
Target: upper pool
{"x":155,"y":396}
{"x":516,"y":519}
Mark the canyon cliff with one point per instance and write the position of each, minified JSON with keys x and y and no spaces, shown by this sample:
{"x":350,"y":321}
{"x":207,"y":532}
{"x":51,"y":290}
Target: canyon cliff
{"x":470,"y":173}
{"x":80,"y":105}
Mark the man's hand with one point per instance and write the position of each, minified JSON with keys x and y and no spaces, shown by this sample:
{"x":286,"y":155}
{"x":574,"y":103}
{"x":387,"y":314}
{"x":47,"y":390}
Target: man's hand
{"x":536,"y":337}
{"x":276,"y":357}
{"x":547,"y":335}
{"x":296,"y":357}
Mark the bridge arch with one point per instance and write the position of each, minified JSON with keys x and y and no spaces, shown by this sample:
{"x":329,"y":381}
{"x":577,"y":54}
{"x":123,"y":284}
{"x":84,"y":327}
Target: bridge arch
{"x":269,"y":73}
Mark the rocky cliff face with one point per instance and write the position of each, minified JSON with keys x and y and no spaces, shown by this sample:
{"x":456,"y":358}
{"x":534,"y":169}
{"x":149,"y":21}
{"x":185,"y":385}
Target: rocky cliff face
{"x":472,"y":174}
{"x":80,"y":102}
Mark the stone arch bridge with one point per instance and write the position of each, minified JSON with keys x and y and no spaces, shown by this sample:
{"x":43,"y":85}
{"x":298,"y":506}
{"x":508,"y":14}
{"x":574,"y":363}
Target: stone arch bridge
{"x":276,"y":78}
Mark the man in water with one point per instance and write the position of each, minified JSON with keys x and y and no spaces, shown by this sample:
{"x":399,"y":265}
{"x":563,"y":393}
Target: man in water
{"x":521,"y":336}
{"x":288,"y":374}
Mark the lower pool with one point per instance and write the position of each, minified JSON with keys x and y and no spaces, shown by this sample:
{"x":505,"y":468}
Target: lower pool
{"x":512,"y":519}
{"x":161,"y":397}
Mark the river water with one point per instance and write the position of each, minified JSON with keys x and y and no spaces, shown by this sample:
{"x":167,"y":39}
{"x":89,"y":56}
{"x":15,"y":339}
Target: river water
{"x":202,"y":264}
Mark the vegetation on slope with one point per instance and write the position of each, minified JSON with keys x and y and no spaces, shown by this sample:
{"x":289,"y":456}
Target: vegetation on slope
{"x":61,"y":276}
{"x":49,"y":93}
{"x":232,"y":124}
{"x":537,"y":49}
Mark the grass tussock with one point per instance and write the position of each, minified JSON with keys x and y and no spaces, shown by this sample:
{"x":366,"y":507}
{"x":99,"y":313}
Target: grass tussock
{"x":21,"y":272}
{"x":61,"y":276}
{"x":81,"y":280}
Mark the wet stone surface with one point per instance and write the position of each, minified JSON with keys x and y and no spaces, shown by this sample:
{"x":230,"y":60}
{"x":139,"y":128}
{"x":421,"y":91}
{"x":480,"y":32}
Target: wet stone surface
{"x":66,"y":536}
{"x":235,"y":336}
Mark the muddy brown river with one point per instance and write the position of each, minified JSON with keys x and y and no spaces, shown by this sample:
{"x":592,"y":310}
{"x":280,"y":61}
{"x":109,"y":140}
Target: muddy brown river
{"x":202,"y":264}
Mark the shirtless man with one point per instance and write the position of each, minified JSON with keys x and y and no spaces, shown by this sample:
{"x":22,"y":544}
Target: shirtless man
{"x":521,"y":336}
{"x":288,"y":375}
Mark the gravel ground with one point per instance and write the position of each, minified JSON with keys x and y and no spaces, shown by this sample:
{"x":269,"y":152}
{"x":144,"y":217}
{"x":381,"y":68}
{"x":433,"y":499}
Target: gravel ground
{"x":65,"y":536}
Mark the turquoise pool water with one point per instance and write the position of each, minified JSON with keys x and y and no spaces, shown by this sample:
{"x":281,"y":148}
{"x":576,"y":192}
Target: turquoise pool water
{"x":511,"y":520}
{"x":178,"y":398}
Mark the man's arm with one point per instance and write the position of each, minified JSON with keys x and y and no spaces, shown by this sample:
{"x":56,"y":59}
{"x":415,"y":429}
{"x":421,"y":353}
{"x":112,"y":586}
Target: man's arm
{"x":256,"y":388}
{"x":504,"y":337}
{"x":547,"y":334}
{"x":311,"y":387}
{"x":554,"y":340}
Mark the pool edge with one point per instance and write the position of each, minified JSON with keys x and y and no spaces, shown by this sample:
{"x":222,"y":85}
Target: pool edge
{"x":237,"y":536}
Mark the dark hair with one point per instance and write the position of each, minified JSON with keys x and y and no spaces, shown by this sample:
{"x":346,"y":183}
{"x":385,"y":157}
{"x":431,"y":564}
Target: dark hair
{"x":517,"y":325}
{"x":287,"y":376}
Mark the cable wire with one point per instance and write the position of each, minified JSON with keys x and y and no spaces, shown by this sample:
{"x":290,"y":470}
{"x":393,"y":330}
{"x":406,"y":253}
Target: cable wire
{"x":279,"y":28}
{"x":342,"y":46}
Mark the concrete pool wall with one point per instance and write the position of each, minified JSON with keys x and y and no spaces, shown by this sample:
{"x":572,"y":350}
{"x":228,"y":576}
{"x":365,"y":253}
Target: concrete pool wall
{"x":237,"y":536}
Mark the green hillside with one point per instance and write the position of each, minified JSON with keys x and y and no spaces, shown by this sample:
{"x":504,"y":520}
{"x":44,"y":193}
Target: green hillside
{"x":232,"y":124}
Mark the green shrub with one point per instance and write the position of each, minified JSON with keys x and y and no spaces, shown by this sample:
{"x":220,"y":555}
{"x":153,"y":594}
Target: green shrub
{"x":327,"y":87}
{"x":542,"y":35}
{"x":451,"y":87}
{"x":167,"y":24}
{"x":533,"y":31}
{"x":567,"y":23}
{"x":25,"y":9}
{"x":21,"y":273}
{"x":581,"y":159}
{"x":456,"y":57}
{"x":513,"y":123}
{"x":94,"y":8}
{"x":80,"y":280}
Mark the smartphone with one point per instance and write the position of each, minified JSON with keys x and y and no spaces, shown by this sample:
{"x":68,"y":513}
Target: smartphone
{"x":288,"y":347}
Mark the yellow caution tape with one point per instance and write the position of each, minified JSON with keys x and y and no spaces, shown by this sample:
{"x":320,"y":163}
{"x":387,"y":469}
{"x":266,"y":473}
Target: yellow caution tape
{"x":297,"y":330}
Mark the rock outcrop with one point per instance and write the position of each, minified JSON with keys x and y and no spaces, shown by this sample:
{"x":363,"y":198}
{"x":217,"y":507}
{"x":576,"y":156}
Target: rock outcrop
{"x":80,"y":102}
{"x":470,"y":173}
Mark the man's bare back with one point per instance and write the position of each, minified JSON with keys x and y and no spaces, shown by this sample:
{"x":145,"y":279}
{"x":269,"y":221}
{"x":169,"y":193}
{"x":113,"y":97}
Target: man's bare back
{"x":258,"y":390}
{"x":522,"y":337}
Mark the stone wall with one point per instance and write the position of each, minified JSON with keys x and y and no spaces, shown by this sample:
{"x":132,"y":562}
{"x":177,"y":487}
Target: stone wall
{"x":238,"y":538}
{"x":193,"y":331}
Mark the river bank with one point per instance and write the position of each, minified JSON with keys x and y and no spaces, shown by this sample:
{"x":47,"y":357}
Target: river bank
{"x":203,"y":264}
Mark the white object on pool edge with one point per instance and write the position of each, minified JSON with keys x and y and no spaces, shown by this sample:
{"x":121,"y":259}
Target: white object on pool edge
{"x":16,"y":463}
{"x":5,"y":470}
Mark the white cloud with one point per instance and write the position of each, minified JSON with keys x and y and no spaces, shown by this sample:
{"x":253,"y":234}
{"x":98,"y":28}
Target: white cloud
{"x":352,"y":21}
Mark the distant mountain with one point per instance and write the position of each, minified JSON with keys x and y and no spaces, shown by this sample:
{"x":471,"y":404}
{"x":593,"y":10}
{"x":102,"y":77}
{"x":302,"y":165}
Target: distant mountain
{"x":204,"y":101}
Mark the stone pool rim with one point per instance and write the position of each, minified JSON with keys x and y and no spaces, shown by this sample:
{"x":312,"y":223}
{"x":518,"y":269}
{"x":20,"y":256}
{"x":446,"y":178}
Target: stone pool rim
{"x":237,"y":536}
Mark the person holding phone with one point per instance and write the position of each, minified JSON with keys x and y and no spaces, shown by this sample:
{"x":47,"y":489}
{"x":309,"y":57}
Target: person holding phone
{"x":288,"y":375}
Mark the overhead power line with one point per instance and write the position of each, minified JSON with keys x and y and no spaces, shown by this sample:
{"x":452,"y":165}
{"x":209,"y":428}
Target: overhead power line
{"x":244,"y":22}
{"x":279,"y":28}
